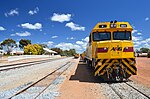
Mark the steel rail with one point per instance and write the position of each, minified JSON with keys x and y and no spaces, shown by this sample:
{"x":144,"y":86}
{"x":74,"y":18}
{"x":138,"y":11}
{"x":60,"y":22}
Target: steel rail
{"x":120,"y":96}
{"x":51,"y":83}
{"x":21,"y":91}
{"x":137,"y":90}
{"x":14,"y":66}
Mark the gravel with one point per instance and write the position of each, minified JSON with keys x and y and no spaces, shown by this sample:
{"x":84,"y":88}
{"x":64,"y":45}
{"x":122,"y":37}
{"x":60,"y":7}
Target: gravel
{"x":7,"y":93}
{"x":106,"y":91}
{"x":10,"y":80}
{"x":53,"y":90}
{"x":140,"y":87}
{"x":33,"y":91}
{"x":124,"y":91}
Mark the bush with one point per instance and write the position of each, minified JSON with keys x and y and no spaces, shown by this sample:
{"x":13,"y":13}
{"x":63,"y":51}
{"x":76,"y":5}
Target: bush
{"x":34,"y":49}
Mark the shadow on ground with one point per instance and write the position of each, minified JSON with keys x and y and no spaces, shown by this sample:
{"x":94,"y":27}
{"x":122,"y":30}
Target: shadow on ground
{"x":84,"y":73}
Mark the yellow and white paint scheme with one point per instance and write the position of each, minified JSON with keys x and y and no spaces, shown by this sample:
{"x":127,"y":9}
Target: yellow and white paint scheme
{"x":105,"y":53}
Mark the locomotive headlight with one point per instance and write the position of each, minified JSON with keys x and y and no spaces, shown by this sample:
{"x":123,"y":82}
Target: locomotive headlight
{"x":126,"y":48}
{"x":113,"y":25}
{"x":105,"y":48}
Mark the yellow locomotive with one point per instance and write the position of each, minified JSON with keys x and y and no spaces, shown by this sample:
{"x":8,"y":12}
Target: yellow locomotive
{"x":110,"y":51}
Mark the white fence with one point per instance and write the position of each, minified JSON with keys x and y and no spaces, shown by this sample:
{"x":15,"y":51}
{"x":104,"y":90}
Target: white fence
{"x":15,"y":58}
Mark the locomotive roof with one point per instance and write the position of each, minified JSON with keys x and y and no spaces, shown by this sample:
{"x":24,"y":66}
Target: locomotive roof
{"x":109,"y":25}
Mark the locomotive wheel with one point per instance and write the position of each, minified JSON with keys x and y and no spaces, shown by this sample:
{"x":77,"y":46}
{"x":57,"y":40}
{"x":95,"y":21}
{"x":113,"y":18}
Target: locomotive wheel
{"x":89,"y":63}
{"x":93,"y":62}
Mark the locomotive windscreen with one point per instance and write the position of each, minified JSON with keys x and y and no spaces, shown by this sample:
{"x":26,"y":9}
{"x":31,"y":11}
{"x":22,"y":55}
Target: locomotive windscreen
{"x":122,"y":35}
{"x":101,"y":36}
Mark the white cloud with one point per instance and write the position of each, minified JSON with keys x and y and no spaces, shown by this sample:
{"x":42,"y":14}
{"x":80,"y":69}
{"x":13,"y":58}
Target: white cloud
{"x":2,"y":28}
{"x":139,"y":33}
{"x":67,"y":46}
{"x":22,"y":34}
{"x":134,"y":38}
{"x":86,"y":39}
{"x":134,"y":31}
{"x":147,"y":45}
{"x":70,"y":38}
{"x":80,"y":42}
{"x":136,"y":46}
{"x":61,"y":17}
{"x":13,"y":35}
{"x":31,"y":26}
{"x":12,"y":12}
{"x":35,"y":11}
{"x":83,"y":43}
{"x":143,"y":42}
{"x":54,"y":36}
{"x":147,"y":18}
{"x":133,"y":26}
{"x":75,"y":26}
{"x":140,"y":42}
{"x":148,"y":40}
{"x":49,"y":43}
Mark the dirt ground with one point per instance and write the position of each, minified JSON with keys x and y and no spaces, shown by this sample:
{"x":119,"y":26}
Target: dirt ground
{"x":143,"y":73}
{"x":80,"y":84}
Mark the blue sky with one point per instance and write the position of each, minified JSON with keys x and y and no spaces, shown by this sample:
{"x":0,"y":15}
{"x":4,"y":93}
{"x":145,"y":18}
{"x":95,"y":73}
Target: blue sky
{"x":67,"y":23}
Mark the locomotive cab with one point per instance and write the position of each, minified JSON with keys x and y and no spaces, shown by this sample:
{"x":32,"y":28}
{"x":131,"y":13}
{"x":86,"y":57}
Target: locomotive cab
{"x":110,"y":50}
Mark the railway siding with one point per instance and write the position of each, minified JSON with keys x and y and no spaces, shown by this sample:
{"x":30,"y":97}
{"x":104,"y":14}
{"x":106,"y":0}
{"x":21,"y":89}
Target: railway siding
{"x":14,"y":80}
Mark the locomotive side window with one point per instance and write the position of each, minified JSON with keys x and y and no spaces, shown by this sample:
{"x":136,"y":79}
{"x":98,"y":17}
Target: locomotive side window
{"x":101,"y":36}
{"x":122,"y":35}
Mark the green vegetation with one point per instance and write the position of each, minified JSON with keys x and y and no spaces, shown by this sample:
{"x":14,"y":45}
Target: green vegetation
{"x":148,"y":53}
{"x":70,"y":52}
{"x":33,"y":49}
{"x":144,"y":50}
{"x":9,"y":44}
{"x":1,"y":47}
{"x":58,"y":50}
{"x":24,"y":42}
{"x":43,"y":45}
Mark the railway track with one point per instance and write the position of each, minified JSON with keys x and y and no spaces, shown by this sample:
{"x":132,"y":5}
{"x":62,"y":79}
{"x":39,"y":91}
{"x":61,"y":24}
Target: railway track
{"x":20,"y":65}
{"x":56,"y":73}
{"x":138,"y":90}
{"x":125,"y":90}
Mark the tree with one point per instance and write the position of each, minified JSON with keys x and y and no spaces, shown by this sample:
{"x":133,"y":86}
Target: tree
{"x":39,"y":49}
{"x":1,"y":47}
{"x":9,"y":44}
{"x":72,"y":52}
{"x":24,"y":42}
{"x":43,"y":45}
{"x":34,"y":49}
{"x":58,"y":50}
{"x":66,"y":53}
{"x":144,"y":50}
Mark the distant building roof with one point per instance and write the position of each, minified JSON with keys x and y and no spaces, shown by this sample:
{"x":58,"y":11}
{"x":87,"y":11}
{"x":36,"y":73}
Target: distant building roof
{"x":17,"y":52}
{"x":1,"y":50}
{"x":48,"y":50}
